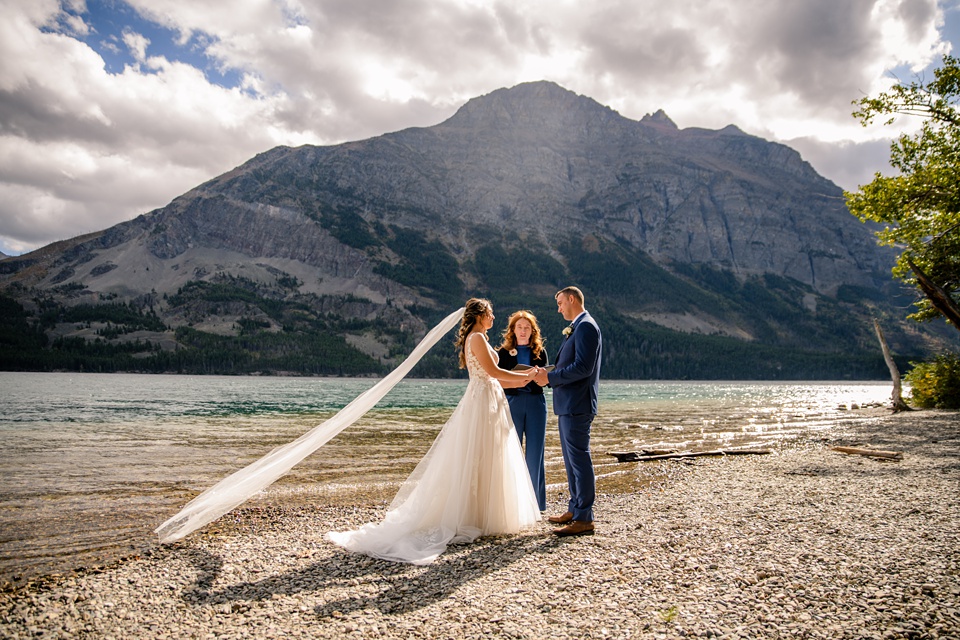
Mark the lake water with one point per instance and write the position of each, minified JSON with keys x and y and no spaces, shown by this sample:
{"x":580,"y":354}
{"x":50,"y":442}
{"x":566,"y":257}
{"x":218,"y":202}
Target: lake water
{"x":92,"y":463}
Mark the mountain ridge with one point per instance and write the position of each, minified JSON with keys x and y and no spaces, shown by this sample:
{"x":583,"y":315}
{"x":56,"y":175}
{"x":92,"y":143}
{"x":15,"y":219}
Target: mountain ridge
{"x":521,"y":191}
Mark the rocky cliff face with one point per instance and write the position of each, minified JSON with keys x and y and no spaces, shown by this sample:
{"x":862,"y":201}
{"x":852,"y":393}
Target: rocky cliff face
{"x":520,"y":187}
{"x":536,"y":160}
{"x":540,"y":160}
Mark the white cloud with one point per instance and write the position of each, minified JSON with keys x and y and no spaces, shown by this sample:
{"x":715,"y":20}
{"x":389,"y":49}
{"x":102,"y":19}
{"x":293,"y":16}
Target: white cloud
{"x":137,"y":45}
{"x":849,"y":164}
{"x":82,"y":148}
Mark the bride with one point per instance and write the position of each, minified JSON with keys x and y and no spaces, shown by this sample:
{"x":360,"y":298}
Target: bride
{"x":473,"y":481}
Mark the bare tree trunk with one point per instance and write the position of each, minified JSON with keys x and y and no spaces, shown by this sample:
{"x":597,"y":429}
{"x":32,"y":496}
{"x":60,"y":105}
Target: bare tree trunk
{"x":938,"y":297}
{"x":896,"y":397}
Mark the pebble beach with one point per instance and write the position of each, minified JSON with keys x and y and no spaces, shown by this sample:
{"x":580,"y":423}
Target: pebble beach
{"x":805,"y":542}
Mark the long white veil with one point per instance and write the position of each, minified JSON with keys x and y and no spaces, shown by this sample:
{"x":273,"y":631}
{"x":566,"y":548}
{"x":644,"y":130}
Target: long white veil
{"x":238,"y":487}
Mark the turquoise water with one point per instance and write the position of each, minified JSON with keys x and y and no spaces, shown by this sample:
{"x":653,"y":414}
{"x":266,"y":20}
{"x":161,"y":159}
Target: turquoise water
{"x":92,"y":463}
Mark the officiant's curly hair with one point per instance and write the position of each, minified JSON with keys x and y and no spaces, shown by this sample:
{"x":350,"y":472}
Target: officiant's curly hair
{"x":509,"y":340}
{"x":473,"y":310}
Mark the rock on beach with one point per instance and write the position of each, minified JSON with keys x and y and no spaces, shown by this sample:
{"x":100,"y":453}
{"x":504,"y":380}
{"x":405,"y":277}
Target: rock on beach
{"x":804,"y":543}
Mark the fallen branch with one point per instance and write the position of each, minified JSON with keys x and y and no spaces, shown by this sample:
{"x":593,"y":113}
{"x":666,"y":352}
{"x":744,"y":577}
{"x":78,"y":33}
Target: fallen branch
{"x":645,"y":453}
{"x":872,"y":453}
{"x":639,"y":456}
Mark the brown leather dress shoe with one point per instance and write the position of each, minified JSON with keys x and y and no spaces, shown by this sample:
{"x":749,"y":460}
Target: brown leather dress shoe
{"x":575,"y":528}
{"x":564,"y":519}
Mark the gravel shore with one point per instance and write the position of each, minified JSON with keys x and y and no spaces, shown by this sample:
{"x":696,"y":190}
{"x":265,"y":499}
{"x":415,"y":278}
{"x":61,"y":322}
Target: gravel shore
{"x":803,"y":543}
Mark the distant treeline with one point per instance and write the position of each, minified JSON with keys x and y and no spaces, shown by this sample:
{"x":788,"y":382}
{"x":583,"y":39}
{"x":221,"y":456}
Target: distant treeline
{"x":280,"y":331}
{"x":24,"y":346}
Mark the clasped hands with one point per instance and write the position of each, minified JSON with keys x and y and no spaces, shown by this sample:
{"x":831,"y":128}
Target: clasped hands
{"x":538,"y":375}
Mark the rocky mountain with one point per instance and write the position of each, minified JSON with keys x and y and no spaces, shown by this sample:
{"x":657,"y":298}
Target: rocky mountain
{"x":691,"y":241}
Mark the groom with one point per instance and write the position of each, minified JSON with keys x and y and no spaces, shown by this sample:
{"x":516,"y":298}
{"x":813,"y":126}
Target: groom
{"x":575,"y":382}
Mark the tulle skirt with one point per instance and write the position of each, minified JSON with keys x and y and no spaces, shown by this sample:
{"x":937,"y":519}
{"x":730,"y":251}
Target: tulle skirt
{"x":472,"y":482}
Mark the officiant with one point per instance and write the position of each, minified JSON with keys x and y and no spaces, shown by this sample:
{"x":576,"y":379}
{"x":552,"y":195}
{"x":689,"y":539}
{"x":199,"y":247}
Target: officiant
{"x":522,"y":344}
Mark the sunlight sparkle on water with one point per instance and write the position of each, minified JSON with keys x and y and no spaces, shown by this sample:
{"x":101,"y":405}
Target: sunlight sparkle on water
{"x":92,"y":463}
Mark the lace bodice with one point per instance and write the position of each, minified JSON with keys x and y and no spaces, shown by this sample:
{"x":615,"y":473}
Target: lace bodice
{"x":473,"y":364}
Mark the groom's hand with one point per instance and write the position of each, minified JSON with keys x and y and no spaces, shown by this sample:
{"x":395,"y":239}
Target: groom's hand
{"x":541,"y":378}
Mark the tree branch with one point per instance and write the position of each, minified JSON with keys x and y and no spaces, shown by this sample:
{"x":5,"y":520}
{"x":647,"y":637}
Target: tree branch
{"x":939,"y":298}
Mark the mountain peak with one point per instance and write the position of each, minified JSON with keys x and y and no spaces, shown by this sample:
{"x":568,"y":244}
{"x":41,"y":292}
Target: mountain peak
{"x":732,"y":129}
{"x":660,"y":120}
{"x":542,"y":91}
{"x":530,"y":104}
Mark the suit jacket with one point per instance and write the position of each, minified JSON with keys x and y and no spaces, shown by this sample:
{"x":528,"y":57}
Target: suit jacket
{"x":508,"y":361}
{"x":576,"y":379}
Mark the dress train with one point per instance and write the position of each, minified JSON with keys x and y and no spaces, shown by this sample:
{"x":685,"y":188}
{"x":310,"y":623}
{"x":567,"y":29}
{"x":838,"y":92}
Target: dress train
{"x":472,"y":482}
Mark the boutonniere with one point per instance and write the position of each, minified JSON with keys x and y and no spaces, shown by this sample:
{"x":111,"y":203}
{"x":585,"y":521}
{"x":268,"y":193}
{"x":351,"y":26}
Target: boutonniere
{"x":512,"y":352}
{"x":568,"y":330}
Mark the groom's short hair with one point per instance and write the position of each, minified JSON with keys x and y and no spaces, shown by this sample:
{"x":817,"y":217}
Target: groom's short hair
{"x":571,"y":291}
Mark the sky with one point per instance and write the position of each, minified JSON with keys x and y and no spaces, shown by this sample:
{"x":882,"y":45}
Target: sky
{"x":112,"y":108}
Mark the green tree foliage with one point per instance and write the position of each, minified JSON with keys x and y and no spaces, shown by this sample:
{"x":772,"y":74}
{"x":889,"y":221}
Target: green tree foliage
{"x":795,"y":333}
{"x":226,"y":290}
{"x":18,"y":338}
{"x":309,"y":344}
{"x":640,"y":350}
{"x":127,"y":315}
{"x":347,"y":225}
{"x":936,"y":385}
{"x":423,"y":264}
{"x":262,"y":351}
{"x":611,"y":271}
{"x":503,"y":268}
{"x":314,"y":346}
{"x":919,"y":209}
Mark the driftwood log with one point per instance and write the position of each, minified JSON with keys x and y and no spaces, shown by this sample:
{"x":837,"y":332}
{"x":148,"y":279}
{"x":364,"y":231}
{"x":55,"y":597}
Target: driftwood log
{"x":645,"y":453}
{"x":642,"y":456}
{"x":872,"y":453}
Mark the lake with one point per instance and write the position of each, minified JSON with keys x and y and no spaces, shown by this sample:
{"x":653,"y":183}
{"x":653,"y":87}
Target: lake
{"x":92,"y":463}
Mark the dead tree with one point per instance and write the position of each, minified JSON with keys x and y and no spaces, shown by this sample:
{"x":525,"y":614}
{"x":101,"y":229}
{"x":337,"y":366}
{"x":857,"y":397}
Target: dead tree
{"x":896,"y":396}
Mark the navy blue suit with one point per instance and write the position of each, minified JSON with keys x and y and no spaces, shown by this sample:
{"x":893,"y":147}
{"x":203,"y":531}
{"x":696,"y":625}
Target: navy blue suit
{"x":575,"y":382}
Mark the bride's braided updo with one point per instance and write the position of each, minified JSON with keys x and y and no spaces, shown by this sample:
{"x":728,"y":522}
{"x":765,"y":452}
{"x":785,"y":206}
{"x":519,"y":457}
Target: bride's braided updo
{"x":473,"y":310}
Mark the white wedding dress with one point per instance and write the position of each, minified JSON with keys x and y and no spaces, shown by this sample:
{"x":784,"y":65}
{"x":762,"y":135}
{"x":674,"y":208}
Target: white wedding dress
{"x":472,"y":482}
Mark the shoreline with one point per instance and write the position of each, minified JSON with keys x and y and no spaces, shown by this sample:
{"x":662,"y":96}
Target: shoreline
{"x":805,"y":542}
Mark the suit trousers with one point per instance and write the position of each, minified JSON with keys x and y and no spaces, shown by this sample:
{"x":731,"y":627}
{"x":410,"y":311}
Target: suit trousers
{"x":575,"y":445}
{"x":529,"y":412}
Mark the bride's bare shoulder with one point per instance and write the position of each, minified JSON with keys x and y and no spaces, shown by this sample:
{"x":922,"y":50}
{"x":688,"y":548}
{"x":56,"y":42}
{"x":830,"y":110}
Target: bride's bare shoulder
{"x":476,"y":340}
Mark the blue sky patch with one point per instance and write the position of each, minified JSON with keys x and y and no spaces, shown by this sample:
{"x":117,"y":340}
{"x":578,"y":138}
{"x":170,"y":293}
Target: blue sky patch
{"x":109,"y":20}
